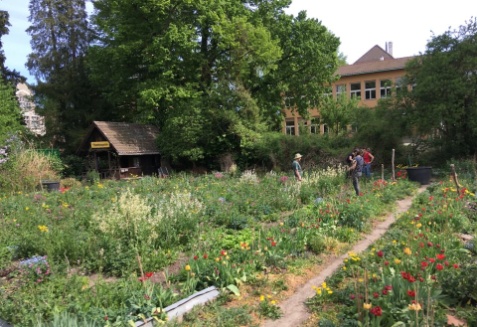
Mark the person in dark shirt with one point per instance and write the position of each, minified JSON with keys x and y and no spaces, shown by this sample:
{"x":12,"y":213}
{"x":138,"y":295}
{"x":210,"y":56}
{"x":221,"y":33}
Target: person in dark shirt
{"x":357,"y":171}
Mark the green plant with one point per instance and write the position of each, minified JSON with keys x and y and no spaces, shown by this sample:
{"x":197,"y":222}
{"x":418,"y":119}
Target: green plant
{"x":268,"y":308}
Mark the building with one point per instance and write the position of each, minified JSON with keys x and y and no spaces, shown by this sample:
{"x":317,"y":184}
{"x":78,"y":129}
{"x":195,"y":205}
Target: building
{"x":34,"y":122}
{"x":369,"y":79}
{"x":121,"y":150}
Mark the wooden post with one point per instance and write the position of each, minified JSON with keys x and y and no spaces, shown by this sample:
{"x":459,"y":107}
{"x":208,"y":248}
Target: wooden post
{"x":454,"y":177}
{"x":382,"y":172}
{"x":392,"y":166}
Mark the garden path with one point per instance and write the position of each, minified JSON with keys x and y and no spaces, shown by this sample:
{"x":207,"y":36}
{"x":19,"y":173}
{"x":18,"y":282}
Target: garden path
{"x":294,"y":310}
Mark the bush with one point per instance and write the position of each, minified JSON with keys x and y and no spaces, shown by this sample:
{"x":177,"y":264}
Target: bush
{"x":25,"y":168}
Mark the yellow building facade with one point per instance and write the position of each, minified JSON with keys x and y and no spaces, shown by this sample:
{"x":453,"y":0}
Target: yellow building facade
{"x":370,"y":78}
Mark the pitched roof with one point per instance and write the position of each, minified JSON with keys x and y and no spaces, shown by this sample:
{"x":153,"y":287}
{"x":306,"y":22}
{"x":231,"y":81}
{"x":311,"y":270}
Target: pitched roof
{"x":376,"y":53}
{"x":373,"y":66}
{"x":129,"y":138}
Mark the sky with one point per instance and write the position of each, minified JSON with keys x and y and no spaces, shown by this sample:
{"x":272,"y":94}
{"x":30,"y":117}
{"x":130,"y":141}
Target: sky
{"x":360,"y":25}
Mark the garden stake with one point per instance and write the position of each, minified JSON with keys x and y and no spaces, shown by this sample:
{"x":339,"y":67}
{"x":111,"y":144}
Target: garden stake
{"x":392,"y":165}
{"x":382,"y":172}
{"x":454,"y":177}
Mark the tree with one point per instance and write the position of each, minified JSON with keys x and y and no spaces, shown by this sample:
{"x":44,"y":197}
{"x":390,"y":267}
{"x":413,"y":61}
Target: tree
{"x":10,"y":113}
{"x":444,"y":91}
{"x":59,"y":39}
{"x":211,"y":73}
{"x":338,"y":113}
{"x":7,"y":75}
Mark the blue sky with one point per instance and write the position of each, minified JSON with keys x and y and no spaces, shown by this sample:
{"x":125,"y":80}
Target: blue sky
{"x":360,"y":25}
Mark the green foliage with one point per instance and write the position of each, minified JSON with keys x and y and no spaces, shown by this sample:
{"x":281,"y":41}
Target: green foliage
{"x":223,"y":84}
{"x":338,"y":113}
{"x":10,"y":115}
{"x":446,"y":111}
{"x":26,"y":168}
{"x":268,"y":308}
{"x":173,"y":229}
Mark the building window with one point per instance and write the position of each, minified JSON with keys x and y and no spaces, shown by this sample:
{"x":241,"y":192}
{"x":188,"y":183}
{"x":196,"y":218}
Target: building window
{"x":370,"y":90}
{"x":340,"y":89}
{"x":290,"y":127}
{"x":325,"y":129}
{"x":356,"y":90}
{"x":315,"y":126}
{"x":289,"y":102}
{"x":385,"y":89}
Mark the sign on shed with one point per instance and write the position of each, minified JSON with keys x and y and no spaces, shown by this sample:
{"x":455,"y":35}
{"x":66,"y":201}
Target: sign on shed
{"x":100,"y":145}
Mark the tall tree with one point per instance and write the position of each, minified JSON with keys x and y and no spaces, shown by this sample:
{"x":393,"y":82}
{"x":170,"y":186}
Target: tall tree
{"x":59,"y":39}
{"x":444,"y":92}
{"x":8,"y":75}
{"x":10,"y":113}
{"x":210,"y":74}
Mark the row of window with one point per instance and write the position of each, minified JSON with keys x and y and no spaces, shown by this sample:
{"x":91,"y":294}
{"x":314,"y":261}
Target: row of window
{"x":370,"y":90}
{"x":313,"y":127}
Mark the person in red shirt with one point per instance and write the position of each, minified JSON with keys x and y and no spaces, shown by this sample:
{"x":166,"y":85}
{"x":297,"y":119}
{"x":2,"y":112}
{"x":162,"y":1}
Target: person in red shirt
{"x":368,"y":159}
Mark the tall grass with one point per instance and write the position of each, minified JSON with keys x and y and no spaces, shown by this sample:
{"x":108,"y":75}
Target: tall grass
{"x":25,"y":168}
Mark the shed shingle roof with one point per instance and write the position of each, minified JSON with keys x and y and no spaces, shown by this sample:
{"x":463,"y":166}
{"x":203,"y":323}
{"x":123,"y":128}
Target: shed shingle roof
{"x":128,"y":138}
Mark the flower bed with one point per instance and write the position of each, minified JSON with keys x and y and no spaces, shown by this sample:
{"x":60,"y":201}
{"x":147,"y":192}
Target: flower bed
{"x":415,"y":273}
{"x":119,"y":252}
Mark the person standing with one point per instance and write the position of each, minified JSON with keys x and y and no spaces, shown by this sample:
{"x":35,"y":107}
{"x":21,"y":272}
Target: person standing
{"x":368,"y":159}
{"x":297,"y":171}
{"x":357,"y":171}
{"x":351,"y":162}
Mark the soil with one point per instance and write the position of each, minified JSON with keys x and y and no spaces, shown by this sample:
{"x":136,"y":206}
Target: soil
{"x":293,"y":307}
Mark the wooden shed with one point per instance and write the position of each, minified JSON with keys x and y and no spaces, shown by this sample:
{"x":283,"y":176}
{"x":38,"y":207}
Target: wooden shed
{"x":121,"y":150}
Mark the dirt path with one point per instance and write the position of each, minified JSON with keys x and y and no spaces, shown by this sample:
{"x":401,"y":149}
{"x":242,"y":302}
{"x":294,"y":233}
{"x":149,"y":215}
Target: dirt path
{"x":294,"y":310}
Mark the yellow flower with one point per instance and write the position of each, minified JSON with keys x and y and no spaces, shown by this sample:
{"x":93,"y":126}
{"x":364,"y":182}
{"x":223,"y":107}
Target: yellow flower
{"x":26,"y":208}
{"x":330,"y":291}
{"x":344,"y":268}
{"x":360,"y":280}
{"x":323,"y":284}
{"x":407,"y":251}
{"x":414,"y":307}
{"x":43,"y":228}
{"x":187,"y":267}
{"x":281,"y":223}
{"x":262,"y":298}
{"x":100,"y":185}
{"x":65,"y":205}
{"x":366,"y":306}
{"x":397,"y":261}
{"x":394,"y":241}
{"x":273,"y":302}
{"x":419,"y":225}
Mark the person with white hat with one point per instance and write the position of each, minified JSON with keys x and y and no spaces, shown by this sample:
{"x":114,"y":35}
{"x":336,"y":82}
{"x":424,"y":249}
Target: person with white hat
{"x":297,"y":171}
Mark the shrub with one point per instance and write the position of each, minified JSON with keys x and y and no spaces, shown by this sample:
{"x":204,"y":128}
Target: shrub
{"x":25,"y":168}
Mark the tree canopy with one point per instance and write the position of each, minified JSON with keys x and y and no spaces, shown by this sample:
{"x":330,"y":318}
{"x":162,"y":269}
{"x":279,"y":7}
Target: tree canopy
{"x":443,"y":100}
{"x":211,"y":74}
